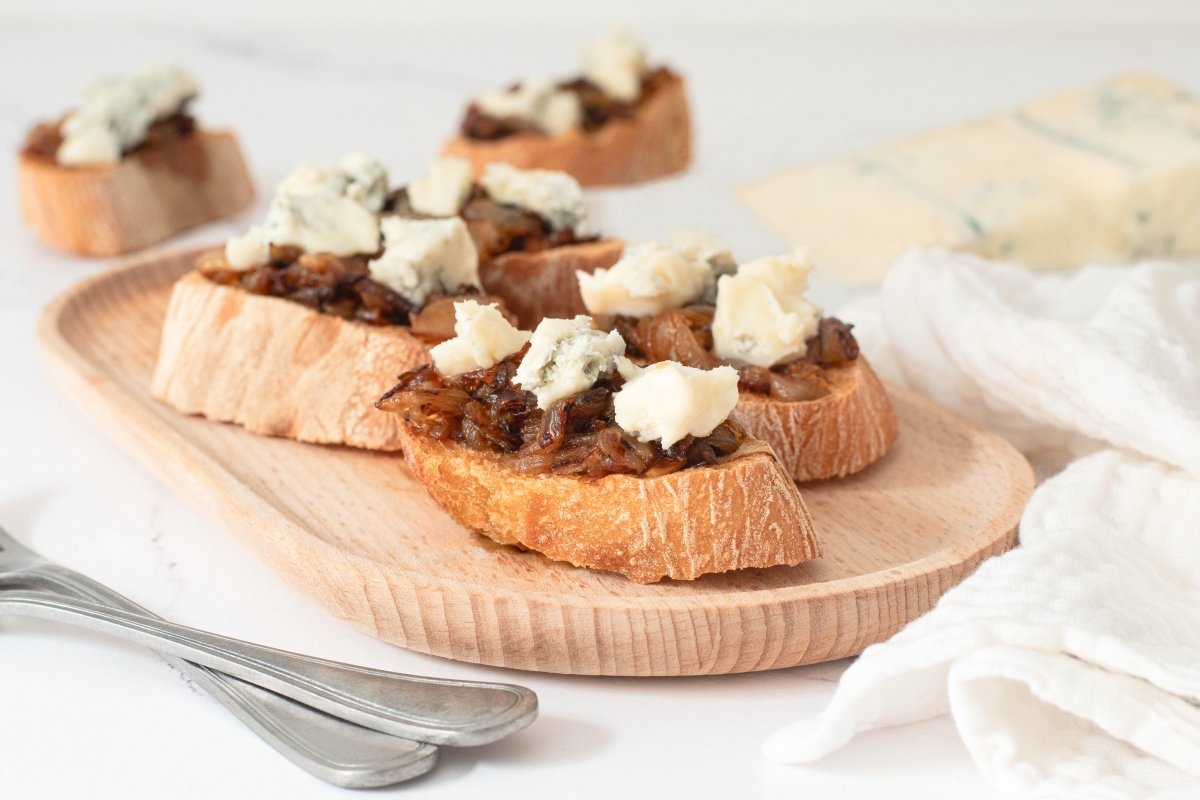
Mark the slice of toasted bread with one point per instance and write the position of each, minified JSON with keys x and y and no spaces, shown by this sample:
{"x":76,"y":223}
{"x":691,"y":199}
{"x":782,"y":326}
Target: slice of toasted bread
{"x":543,"y":284}
{"x":744,"y":512}
{"x":148,"y":196}
{"x":834,"y":436}
{"x":654,"y":143}
{"x":278,"y":368}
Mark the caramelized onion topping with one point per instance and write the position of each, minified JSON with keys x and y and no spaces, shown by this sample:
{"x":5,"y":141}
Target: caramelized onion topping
{"x":598,"y":108}
{"x":342,"y":286}
{"x":685,"y":335}
{"x":496,"y":228}
{"x":577,"y":435}
{"x":45,"y":138}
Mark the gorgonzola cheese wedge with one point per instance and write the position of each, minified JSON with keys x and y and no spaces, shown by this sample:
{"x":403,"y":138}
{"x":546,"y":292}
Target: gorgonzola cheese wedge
{"x":1107,"y":173}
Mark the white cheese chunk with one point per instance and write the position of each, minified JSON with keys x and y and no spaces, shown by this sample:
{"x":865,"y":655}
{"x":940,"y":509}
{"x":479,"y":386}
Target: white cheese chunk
{"x":422,"y":256}
{"x":1104,"y":173}
{"x":442,"y":192}
{"x":567,"y":356}
{"x":648,"y":279}
{"x":248,"y":250}
{"x":483,"y":338}
{"x":700,"y":245}
{"x":356,"y":176}
{"x":320,"y":210}
{"x":668,"y":401}
{"x":552,"y":110}
{"x":553,"y":196}
{"x":322,"y":223}
{"x":615,"y":63}
{"x":761,"y":316}
{"x":116,"y":114}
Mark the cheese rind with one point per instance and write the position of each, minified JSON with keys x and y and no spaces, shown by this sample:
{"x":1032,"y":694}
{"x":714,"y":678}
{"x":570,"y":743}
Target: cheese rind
{"x":761,"y":316}
{"x":423,"y":256}
{"x":444,"y":189}
{"x":668,"y":401}
{"x":1108,"y":173}
{"x":553,"y":196}
{"x":567,"y":356}
{"x":482,"y":339}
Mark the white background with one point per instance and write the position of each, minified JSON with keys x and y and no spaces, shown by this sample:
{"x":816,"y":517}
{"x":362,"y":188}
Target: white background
{"x":772,"y":84}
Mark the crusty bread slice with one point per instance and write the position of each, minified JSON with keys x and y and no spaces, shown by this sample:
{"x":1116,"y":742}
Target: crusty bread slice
{"x":278,"y":368}
{"x":656,"y":142}
{"x":148,"y":196}
{"x":839,"y":434}
{"x":744,"y":512}
{"x":543,"y":284}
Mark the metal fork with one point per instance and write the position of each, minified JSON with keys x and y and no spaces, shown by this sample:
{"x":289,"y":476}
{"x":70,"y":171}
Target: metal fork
{"x":337,"y":751}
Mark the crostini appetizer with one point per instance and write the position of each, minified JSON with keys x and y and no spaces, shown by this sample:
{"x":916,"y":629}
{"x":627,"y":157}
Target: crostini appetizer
{"x":129,"y":168}
{"x":804,"y":387}
{"x":620,"y":122}
{"x":530,"y":228}
{"x":297,"y":326}
{"x":555,"y":442}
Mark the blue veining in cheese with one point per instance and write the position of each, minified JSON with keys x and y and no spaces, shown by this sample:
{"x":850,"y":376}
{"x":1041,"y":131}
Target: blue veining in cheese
{"x":1106,"y":173}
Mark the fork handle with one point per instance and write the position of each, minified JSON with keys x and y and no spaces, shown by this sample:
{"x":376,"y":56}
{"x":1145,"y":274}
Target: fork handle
{"x":430,"y":709}
{"x":330,"y":748}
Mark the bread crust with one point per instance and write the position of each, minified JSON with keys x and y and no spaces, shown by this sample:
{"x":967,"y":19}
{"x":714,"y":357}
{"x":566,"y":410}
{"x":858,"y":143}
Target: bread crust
{"x":744,"y":512}
{"x":278,"y":368}
{"x":541,"y":284}
{"x":656,"y":142}
{"x":148,"y":196}
{"x":837,"y":435}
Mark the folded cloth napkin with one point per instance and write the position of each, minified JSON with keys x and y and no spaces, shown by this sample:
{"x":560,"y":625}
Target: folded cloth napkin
{"x":1071,"y":666}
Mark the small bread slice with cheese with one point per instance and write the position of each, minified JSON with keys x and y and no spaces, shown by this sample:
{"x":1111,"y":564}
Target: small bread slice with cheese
{"x":129,"y":168}
{"x":742,"y":513}
{"x":563,"y":447}
{"x":805,"y":388}
{"x":620,"y":123}
{"x":298,"y":326}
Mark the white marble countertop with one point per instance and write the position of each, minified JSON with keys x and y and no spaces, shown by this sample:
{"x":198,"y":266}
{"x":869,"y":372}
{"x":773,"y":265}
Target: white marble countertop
{"x":86,"y":717}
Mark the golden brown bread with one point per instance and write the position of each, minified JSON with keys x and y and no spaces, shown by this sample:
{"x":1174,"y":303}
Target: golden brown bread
{"x":278,"y":368}
{"x":656,"y":142}
{"x":148,"y":196}
{"x":744,"y":512}
{"x":542,"y":284}
{"x":834,"y":436}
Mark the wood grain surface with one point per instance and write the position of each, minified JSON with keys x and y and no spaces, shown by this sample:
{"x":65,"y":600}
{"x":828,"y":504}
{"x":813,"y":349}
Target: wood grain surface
{"x":352,"y":530}
{"x":148,"y":196}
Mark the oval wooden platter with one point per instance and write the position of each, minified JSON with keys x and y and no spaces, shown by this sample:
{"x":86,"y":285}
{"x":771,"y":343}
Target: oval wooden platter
{"x":355,"y":533}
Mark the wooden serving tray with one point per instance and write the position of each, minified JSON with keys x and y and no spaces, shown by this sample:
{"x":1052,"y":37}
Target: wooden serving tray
{"x":354,"y":532}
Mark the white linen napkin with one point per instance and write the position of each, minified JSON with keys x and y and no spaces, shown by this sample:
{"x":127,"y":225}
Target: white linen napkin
{"x":1071,"y":666}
